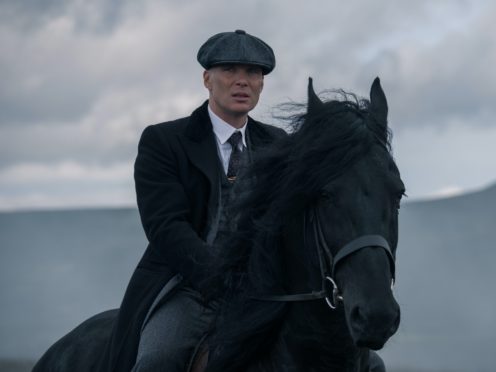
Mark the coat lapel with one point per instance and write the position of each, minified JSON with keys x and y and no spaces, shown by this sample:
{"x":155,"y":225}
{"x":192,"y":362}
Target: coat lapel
{"x":201,"y":149}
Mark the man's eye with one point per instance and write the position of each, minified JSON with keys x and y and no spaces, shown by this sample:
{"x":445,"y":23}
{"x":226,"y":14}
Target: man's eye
{"x":255,"y":71}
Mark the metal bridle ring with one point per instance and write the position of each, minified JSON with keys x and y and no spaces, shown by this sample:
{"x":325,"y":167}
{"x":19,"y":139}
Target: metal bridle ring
{"x":332,"y":296}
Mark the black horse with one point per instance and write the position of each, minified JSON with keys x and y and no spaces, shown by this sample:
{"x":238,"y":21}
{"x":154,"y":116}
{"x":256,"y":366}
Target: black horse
{"x":308,"y":285}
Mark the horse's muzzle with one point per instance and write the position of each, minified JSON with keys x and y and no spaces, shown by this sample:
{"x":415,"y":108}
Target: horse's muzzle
{"x":371,"y":327}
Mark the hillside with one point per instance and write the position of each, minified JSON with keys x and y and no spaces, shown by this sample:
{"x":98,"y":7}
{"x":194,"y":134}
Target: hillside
{"x":446,"y":261}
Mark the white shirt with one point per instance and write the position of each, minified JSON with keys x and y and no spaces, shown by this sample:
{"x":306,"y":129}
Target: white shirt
{"x":223,"y":131}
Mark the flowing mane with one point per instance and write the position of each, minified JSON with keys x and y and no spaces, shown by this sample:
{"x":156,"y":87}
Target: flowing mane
{"x":280,"y":184}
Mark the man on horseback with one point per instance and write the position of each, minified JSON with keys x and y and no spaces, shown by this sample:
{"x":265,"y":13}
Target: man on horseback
{"x":184,"y":174}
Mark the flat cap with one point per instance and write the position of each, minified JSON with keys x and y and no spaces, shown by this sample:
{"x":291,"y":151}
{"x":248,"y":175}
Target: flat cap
{"x":236,"y":47}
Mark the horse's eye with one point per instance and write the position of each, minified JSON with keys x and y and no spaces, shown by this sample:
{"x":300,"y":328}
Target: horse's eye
{"x":326,"y":195}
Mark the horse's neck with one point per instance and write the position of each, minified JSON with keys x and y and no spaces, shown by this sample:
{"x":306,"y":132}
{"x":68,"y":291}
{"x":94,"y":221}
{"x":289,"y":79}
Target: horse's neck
{"x":313,"y":338}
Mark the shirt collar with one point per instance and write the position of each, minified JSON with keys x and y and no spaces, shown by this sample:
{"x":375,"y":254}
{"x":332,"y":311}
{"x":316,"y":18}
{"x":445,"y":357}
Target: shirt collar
{"x":224,"y":130}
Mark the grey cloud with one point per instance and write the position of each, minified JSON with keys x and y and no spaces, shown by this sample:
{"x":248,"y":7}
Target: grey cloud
{"x":51,"y":144}
{"x":28,"y":15}
{"x":333,"y":44}
{"x":450,"y":79}
{"x":99,"y":16}
{"x":58,"y":75}
{"x":433,"y":58}
{"x":48,"y":103}
{"x":81,"y":79}
{"x":53,"y":82}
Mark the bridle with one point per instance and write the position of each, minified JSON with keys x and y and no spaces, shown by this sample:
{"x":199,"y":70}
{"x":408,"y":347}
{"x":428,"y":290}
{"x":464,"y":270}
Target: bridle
{"x":328,"y":263}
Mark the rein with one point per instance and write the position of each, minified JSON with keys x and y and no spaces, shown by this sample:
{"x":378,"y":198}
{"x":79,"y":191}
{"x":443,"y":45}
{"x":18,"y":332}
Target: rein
{"x":327,"y":262}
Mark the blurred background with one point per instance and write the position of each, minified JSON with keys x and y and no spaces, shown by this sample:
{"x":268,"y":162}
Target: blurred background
{"x":81,"y":79}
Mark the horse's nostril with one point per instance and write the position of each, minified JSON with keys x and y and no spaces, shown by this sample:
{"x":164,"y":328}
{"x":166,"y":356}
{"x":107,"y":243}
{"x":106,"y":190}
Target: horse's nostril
{"x":357,"y":315}
{"x":385,"y":319}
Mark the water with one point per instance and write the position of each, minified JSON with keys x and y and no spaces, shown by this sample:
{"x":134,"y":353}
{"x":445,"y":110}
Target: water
{"x":58,"y":268}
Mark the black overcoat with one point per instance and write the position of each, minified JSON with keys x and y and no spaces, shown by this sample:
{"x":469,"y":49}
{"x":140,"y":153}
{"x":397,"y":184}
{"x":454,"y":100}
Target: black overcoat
{"x":177,"y":187}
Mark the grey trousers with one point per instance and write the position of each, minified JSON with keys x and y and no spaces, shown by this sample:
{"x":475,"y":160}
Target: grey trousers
{"x":173,"y":331}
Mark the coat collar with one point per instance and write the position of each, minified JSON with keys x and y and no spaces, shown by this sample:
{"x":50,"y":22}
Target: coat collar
{"x":199,"y":128}
{"x":201,"y":145}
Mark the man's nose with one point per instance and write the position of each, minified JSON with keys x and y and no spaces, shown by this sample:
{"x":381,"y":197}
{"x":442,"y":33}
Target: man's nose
{"x":242,"y":78}
{"x":242,"y":82}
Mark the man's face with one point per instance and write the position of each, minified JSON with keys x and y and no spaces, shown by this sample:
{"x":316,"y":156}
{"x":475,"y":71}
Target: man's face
{"x":234,"y":89}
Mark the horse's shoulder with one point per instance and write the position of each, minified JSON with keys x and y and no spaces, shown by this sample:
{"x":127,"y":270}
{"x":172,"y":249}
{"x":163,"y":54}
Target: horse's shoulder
{"x":79,"y":347}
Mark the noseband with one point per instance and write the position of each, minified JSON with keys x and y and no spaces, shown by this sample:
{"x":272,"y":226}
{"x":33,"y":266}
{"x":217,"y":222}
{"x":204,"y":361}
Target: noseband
{"x":327,"y":262}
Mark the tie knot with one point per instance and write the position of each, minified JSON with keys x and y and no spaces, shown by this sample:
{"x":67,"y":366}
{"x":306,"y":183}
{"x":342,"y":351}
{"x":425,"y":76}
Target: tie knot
{"x":235,"y":139}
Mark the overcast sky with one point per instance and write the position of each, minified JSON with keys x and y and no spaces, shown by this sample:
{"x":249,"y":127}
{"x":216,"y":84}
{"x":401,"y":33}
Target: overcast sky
{"x":79,"y":80}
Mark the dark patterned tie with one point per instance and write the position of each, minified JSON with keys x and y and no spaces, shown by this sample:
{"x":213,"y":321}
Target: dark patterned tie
{"x":235,"y":159}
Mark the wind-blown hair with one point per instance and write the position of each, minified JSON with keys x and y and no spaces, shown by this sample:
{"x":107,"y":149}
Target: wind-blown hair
{"x":280,"y":184}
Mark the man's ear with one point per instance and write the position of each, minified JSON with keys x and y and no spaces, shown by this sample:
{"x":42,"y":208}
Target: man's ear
{"x":206,"y":80}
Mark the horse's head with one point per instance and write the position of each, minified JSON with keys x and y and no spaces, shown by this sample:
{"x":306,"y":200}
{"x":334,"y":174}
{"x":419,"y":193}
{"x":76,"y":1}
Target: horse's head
{"x":351,"y":221}
{"x":356,"y":218}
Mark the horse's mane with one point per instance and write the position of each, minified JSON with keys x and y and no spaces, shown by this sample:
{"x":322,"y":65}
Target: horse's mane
{"x":280,"y":184}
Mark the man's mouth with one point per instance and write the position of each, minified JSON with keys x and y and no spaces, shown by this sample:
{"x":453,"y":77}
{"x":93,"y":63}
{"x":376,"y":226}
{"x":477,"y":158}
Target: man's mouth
{"x":241,"y":95}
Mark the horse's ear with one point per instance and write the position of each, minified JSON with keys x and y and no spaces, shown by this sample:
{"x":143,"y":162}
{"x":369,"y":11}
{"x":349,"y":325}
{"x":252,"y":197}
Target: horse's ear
{"x":378,"y":103}
{"x":314,"y":102}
